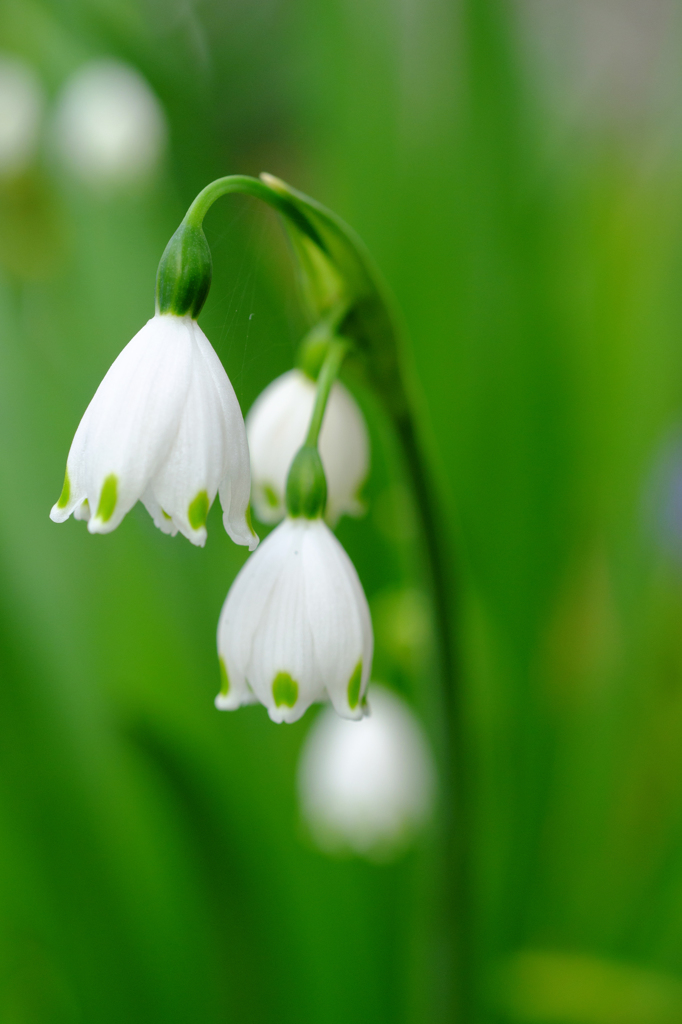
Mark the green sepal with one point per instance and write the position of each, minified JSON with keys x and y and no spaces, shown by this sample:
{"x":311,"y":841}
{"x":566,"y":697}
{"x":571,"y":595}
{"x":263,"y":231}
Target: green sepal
{"x":184,"y":275}
{"x":306,"y":493}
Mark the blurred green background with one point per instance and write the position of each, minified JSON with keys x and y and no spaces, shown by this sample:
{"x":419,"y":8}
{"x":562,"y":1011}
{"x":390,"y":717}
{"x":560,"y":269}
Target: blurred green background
{"x":516,"y":171}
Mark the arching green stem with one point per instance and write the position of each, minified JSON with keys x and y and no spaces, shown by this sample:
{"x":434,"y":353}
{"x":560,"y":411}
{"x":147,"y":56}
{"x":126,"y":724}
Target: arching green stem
{"x":246,"y":186}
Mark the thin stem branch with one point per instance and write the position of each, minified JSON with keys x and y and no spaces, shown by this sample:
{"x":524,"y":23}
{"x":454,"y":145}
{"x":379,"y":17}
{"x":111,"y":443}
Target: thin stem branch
{"x":338,"y":349}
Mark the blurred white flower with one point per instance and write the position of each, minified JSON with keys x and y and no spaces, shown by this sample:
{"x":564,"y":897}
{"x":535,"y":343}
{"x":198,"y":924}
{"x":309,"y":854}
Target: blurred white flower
{"x":367,"y":787}
{"x":295,"y":627}
{"x":21,"y":110}
{"x":276,"y":426}
{"x":165,"y":427}
{"x":109,"y":127}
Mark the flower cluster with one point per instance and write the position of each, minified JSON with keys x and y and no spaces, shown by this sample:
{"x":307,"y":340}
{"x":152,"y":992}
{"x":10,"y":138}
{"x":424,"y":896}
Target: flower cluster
{"x":165,"y":428}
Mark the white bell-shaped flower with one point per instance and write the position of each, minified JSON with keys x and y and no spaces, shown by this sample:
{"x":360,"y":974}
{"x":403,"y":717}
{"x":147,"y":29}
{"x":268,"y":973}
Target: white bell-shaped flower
{"x":276,"y":426}
{"x":367,"y":787}
{"x":295,"y":627}
{"x":165,"y":427}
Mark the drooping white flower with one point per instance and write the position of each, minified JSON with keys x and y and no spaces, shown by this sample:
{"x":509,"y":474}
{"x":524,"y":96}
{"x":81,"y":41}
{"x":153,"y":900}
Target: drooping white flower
{"x":165,"y":427}
{"x":21,"y":109}
{"x":276,"y":426}
{"x":109,"y":127}
{"x":295,"y":627}
{"x":367,"y":787}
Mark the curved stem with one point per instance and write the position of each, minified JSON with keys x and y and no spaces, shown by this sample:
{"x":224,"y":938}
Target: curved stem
{"x":221,"y":187}
{"x":245,"y":185}
{"x":460,"y":1001}
{"x":327,"y":375}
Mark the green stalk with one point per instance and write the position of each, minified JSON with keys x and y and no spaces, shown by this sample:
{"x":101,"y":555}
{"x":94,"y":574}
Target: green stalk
{"x":338,"y":349}
{"x":306,"y":493}
{"x":460,"y":996}
{"x":247,"y":186}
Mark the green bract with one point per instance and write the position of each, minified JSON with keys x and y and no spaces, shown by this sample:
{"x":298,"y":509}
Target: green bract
{"x":184,"y":275}
{"x":306,"y":485}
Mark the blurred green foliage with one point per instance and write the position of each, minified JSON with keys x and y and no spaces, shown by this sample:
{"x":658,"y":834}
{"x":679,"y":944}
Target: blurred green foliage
{"x":152,"y":864}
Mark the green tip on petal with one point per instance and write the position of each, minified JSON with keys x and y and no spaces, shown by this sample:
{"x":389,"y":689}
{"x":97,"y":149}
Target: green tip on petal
{"x":224,"y":678}
{"x":354,"y":686}
{"x":107,"y":499}
{"x":198,"y":510}
{"x":66,"y":492}
{"x":270,"y":496}
{"x":165,"y":514}
{"x":249,"y":522}
{"x":284,"y":690}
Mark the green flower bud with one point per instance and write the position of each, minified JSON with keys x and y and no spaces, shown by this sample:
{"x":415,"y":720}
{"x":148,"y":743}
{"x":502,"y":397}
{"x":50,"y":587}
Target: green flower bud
{"x":306,"y":485}
{"x":184,"y":275}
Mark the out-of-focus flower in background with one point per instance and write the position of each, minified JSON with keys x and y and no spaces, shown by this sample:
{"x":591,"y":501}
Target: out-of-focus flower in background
{"x":21,"y":111}
{"x":109,"y":127}
{"x":367,"y":787}
{"x":276,"y":426}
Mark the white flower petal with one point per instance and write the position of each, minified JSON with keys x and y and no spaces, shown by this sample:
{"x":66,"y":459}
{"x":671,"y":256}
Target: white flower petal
{"x":336,"y":618}
{"x":82,"y":511}
{"x":283,"y":671}
{"x":344,"y":450}
{"x":243,"y":609}
{"x":73,"y":495}
{"x":277,"y":425}
{"x":161,"y":518}
{"x":188,"y":480}
{"x":235,"y":486}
